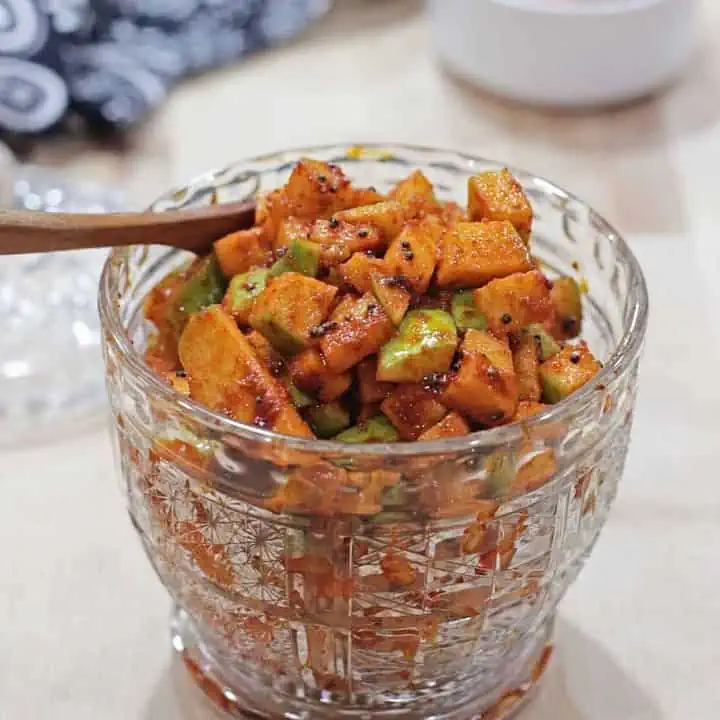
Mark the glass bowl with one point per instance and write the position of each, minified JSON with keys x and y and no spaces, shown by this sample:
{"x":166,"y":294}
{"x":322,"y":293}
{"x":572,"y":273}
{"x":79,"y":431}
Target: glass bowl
{"x":313,"y":579}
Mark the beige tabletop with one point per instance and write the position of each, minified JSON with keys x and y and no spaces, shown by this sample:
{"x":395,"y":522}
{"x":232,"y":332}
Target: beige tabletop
{"x":83,"y":621}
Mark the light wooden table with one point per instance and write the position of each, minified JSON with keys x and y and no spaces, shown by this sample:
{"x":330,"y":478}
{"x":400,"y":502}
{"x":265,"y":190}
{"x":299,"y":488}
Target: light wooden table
{"x":83,"y":622}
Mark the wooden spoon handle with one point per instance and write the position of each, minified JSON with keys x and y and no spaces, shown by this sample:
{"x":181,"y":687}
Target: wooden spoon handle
{"x":24,"y":231}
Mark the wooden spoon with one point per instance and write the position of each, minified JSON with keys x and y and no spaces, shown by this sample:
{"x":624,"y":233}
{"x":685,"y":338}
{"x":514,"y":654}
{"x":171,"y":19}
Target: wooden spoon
{"x":24,"y":231}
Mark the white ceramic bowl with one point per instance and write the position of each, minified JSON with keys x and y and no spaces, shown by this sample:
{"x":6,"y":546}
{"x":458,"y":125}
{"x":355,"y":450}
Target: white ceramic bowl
{"x":565,"y":52}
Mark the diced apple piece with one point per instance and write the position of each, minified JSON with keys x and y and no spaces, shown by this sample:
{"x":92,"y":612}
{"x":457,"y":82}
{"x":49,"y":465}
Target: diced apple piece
{"x":391,"y":294}
{"x":313,"y":188}
{"x":270,"y":210}
{"x":499,"y":196}
{"x":160,"y":301}
{"x":474,"y":253}
{"x":328,"y":420}
{"x":289,"y":308}
{"x":225,"y":375}
{"x":242,"y":291}
{"x":266,"y":353}
{"x":412,"y":410}
{"x":415,"y":190}
{"x":512,"y":302}
{"x":288,"y":421}
{"x":547,"y":346}
{"x":413,"y":254}
{"x":465,"y":313}
{"x":527,"y":363}
{"x":425,"y":344}
{"x":484,"y":386}
{"x":500,"y":475}
{"x":388,"y":216}
{"x":357,"y":270}
{"x":377,"y":429}
{"x":351,"y":197}
{"x":301,"y":256}
{"x":242,"y":250}
{"x":339,"y":240}
{"x":291,"y":229}
{"x":535,"y":472}
{"x":311,"y":374}
{"x":452,"y":425}
{"x":567,"y":372}
{"x":205,"y":285}
{"x":359,"y":327}
{"x":567,"y":302}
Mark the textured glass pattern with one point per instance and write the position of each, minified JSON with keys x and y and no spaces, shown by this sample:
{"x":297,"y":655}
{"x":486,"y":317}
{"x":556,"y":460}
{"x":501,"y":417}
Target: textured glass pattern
{"x":439,"y":602}
{"x":50,"y":361}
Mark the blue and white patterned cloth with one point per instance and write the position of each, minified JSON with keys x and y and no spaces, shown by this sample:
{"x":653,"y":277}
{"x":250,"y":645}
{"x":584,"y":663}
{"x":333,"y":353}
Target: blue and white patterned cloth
{"x":113,"y":60}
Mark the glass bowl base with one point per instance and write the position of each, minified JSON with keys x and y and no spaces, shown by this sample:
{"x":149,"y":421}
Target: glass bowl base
{"x":252,"y":700}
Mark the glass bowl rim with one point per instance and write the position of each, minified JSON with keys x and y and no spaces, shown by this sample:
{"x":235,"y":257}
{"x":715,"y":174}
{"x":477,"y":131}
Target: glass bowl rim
{"x":626,"y":350}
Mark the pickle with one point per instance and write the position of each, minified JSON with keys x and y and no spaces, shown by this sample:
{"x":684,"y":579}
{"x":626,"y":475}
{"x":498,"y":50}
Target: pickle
{"x":565,"y":296}
{"x":393,"y":297}
{"x":425,"y":344}
{"x":242,"y":292}
{"x":328,"y":420}
{"x":302,"y":256}
{"x":206,"y":286}
{"x":547,"y":346}
{"x":378,"y":429}
{"x":566,"y":372}
{"x":465,"y":313}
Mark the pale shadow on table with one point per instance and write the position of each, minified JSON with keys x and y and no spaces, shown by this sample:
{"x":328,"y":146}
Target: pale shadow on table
{"x":585,"y":682}
{"x":176,"y":697}
{"x":580,"y":663}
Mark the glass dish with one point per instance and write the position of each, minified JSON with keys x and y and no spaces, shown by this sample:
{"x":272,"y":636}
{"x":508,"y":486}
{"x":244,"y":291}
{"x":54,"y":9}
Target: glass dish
{"x":51,"y":372}
{"x":320,"y":580}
